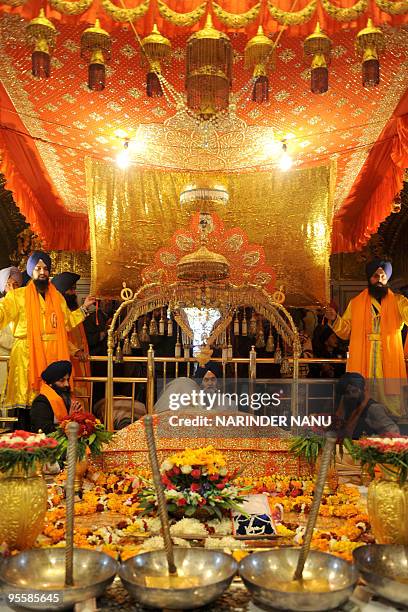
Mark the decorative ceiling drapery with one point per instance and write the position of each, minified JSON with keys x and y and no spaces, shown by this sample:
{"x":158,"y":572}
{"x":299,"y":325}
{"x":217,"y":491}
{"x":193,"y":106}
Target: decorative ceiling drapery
{"x":133,"y":213}
{"x":57,"y":122}
{"x":172,"y":15}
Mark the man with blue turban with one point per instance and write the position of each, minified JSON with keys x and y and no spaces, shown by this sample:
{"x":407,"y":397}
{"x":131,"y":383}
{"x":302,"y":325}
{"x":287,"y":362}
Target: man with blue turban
{"x":40,"y":319}
{"x":373,"y":322}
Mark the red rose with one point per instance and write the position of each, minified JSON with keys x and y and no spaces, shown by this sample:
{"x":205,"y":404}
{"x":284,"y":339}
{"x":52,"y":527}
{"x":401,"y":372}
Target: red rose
{"x":202,"y":501}
{"x":196,"y":473}
{"x":295,"y":492}
{"x":220,"y":485}
{"x":20,"y":433}
{"x":181,"y":501}
{"x":176,"y":470}
{"x":194,"y":487}
{"x":214,"y":477}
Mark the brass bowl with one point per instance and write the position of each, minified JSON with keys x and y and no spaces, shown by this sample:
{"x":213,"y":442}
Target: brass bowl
{"x":214,"y":569}
{"x":384,"y":567}
{"x":37,"y":577}
{"x":279,"y":565}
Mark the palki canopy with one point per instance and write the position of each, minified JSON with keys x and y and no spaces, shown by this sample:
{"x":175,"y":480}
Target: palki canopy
{"x":55,"y":131}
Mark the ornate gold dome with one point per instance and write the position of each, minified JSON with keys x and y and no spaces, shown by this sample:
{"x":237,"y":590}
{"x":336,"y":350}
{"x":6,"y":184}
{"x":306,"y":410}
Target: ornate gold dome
{"x":203,"y":265}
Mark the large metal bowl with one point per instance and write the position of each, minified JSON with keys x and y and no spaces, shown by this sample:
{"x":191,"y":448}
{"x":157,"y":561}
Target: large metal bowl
{"x":260,"y":568}
{"x":385,"y":569}
{"x":214,"y":569}
{"x":35,"y":578}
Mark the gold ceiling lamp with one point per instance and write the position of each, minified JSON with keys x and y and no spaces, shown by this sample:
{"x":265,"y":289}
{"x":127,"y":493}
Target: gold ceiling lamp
{"x":41,"y":34}
{"x":208,"y":71}
{"x":369,"y":46}
{"x":318,"y":45}
{"x":156,"y":48}
{"x":203,"y":265}
{"x":259,"y":55}
{"x":204,"y":195}
{"x":96,"y":45}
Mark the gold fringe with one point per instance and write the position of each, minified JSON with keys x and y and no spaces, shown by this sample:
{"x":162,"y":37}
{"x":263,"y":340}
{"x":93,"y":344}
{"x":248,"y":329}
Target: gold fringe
{"x":125,"y":15}
{"x":14,"y":3}
{"x":393,"y":8}
{"x":345,"y":14}
{"x":181,"y":19}
{"x":236,"y":20}
{"x":291,"y":19}
{"x":70,"y":8}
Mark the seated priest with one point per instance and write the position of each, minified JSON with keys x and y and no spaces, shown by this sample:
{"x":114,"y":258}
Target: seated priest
{"x":356,"y":414}
{"x":210,"y":378}
{"x":54,"y":402}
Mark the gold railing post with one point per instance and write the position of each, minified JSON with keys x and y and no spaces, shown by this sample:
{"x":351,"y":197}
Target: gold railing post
{"x":252,"y":372}
{"x":109,"y":383}
{"x":150,"y":380}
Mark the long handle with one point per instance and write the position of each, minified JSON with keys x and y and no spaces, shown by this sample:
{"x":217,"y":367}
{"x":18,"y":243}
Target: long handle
{"x":72,"y":432}
{"x":161,"y":500}
{"x":317,"y":498}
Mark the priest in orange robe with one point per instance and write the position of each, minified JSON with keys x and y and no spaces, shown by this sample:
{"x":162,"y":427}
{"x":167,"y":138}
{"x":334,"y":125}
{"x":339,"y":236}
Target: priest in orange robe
{"x":40,"y":320}
{"x":373,"y":321}
{"x":77,"y":342}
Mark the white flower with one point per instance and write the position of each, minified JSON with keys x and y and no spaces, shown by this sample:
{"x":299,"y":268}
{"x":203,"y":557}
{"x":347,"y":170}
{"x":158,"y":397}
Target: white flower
{"x":190,"y":527}
{"x":186,"y":469}
{"x":166,"y":465}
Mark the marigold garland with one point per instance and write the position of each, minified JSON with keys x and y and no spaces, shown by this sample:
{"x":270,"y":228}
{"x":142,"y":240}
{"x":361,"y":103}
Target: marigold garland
{"x":295,"y":18}
{"x":181,"y":19}
{"x":236,"y":20}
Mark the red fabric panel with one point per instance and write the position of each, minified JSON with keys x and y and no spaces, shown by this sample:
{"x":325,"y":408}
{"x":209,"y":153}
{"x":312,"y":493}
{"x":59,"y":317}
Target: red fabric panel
{"x":33,"y":192}
{"x":370,"y":199}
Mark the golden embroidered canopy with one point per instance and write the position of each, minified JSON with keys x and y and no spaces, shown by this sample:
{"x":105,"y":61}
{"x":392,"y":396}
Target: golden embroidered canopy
{"x":50,"y":126}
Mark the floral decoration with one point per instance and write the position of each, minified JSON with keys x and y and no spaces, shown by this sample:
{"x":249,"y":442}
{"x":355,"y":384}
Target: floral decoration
{"x":92,"y":434}
{"x":196,"y":479}
{"x":24,"y":450}
{"x":391,"y":453}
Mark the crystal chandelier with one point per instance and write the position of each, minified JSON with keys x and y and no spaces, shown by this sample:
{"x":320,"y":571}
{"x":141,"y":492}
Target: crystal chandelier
{"x":204,"y":195}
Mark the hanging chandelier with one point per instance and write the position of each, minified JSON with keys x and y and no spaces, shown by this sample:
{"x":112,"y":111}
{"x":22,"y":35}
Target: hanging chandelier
{"x":259,"y":55}
{"x":318,"y":45}
{"x":202,"y":196}
{"x":96,"y":45}
{"x":208,"y":71}
{"x":203,"y":265}
{"x":41,"y":34}
{"x":155,"y":48}
{"x":369,"y":45}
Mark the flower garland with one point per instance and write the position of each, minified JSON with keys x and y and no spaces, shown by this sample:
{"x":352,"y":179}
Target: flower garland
{"x":117,"y":491}
{"x":22,"y":449}
{"x":345,"y":14}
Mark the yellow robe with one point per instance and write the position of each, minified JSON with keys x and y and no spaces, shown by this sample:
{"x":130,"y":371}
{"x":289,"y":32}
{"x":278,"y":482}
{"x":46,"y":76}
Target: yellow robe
{"x":13,"y":310}
{"x":342,"y":328}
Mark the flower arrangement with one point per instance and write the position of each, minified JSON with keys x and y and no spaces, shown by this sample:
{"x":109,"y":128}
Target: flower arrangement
{"x":390,"y":453}
{"x":91,"y":435}
{"x":24,"y":450}
{"x":196,"y":482}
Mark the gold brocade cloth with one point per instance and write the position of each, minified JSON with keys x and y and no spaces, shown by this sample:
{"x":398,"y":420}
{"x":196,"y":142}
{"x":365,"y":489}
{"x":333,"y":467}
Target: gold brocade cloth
{"x":135,"y":212}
